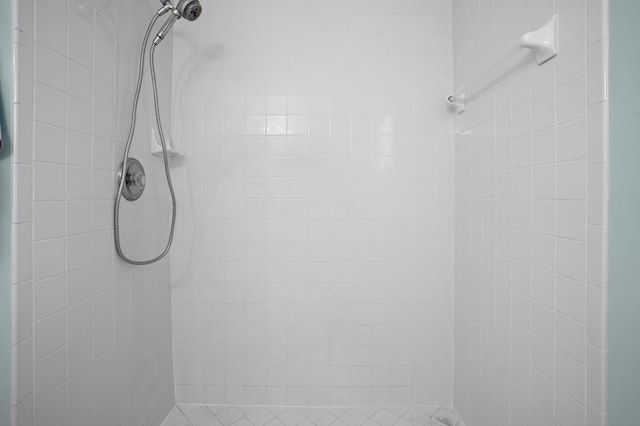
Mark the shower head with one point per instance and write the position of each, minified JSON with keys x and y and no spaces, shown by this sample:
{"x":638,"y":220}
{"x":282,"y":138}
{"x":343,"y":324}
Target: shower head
{"x":187,"y":9}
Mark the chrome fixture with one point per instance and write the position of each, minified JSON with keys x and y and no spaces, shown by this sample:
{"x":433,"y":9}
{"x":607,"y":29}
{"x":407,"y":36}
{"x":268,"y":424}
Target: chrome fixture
{"x":134,"y":179}
{"x":187,"y":9}
{"x":131,"y":178}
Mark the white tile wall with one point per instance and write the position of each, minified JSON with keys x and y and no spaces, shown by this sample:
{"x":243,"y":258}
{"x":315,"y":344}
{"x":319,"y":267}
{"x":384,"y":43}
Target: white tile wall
{"x":314,"y":258}
{"x":92,"y":336}
{"x":531,"y":221}
{"x":313,"y":262}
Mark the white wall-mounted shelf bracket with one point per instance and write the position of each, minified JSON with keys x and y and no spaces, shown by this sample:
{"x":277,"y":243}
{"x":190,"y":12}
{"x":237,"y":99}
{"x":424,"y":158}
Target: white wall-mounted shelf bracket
{"x":543,"y":41}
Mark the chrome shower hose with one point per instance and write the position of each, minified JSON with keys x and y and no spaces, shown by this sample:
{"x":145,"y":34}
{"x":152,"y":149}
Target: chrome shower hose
{"x":132,"y":128}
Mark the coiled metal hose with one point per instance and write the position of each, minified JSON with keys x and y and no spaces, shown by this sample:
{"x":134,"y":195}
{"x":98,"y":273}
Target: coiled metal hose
{"x":132,"y":128}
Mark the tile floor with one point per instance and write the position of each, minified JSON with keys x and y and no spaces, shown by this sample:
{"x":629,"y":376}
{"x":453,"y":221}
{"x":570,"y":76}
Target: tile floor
{"x":216,"y":415}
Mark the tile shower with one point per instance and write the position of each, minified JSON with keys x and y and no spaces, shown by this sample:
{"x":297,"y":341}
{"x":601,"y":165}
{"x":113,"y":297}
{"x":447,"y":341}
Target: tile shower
{"x":348,"y":249}
{"x":314,"y":258}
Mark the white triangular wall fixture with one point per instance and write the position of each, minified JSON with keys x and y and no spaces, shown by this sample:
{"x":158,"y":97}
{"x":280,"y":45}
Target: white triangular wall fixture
{"x":544,"y":41}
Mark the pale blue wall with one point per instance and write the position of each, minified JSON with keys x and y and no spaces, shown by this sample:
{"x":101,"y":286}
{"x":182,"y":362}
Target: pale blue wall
{"x":6,"y":34}
{"x":624,"y":242}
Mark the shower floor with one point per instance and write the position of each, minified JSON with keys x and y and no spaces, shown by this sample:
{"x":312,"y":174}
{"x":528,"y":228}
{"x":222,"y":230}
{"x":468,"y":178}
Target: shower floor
{"x":216,"y":415}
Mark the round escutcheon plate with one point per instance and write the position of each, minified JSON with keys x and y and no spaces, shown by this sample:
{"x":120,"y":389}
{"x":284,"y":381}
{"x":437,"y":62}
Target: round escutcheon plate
{"x":134,"y":179}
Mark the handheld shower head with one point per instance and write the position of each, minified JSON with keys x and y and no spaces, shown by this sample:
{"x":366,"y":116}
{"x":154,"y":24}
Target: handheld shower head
{"x":187,"y":9}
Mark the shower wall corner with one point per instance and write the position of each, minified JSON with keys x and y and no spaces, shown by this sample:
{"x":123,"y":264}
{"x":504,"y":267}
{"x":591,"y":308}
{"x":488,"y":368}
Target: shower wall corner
{"x":91,"y":337}
{"x":6,"y":92}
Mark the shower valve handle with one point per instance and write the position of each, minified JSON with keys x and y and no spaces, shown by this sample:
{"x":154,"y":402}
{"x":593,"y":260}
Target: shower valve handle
{"x":134,"y":179}
{"x":137,"y":179}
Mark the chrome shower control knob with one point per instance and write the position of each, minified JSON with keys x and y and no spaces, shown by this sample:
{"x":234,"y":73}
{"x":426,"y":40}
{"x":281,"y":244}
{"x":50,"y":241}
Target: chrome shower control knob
{"x":134,"y":179}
